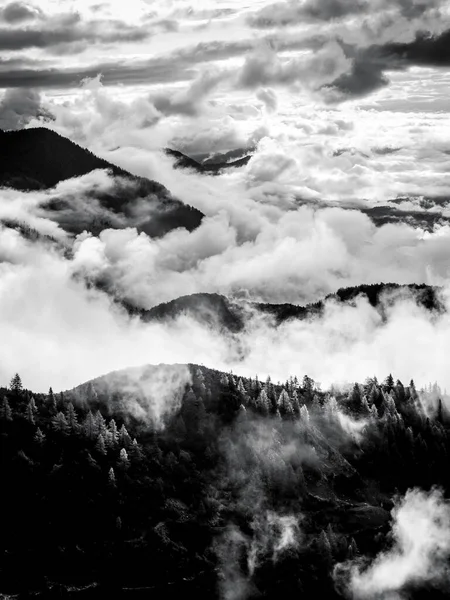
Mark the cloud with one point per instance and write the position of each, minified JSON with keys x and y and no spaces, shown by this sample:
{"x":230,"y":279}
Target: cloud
{"x":19,"y":107}
{"x":269,"y":99}
{"x":18,"y":12}
{"x":189,"y":101}
{"x":367,"y":72}
{"x":68,"y":32}
{"x":265,"y":67}
{"x":419,"y":553}
{"x":290,"y":13}
{"x":281,"y":14}
{"x":148,"y":394}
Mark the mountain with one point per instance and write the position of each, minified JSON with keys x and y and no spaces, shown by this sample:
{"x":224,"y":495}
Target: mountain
{"x":39,"y":159}
{"x":172,"y":480}
{"x":182,"y":161}
{"x":230,"y":314}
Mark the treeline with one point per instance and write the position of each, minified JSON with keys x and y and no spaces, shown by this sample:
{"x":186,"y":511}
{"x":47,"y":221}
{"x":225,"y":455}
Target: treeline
{"x":95,"y":499}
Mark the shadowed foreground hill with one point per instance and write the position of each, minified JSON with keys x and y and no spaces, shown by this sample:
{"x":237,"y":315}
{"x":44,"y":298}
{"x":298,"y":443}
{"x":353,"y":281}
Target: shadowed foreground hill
{"x":39,"y":159}
{"x":176,"y":480}
{"x":230,"y":314}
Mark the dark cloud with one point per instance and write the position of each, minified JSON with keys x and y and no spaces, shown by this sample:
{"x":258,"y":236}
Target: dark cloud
{"x":282,"y":14}
{"x":369,"y":65}
{"x":175,"y":67}
{"x":113,"y":73}
{"x":17,"y":12}
{"x":19,"y":107}
{"x":425,"y":50}
{"x":70,"y":30}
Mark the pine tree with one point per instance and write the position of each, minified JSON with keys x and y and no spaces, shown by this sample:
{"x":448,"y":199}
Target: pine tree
{"x":111,"y":477}
{"x":112,"y":428}
{"x":72,"y":418}
{"x":304,"y":414}
{"x":51,"y":401}
{"x":262,"y":403}
{"x":124,"y":437}
{"x":29,"y":415}
{"x":101,"y":423}
{"x":388,"y":384}
{"x":39,"y":437}
{"x":124,"y":461}
{"x":285,"y":405}
{"x":5,"y":410}
{"x":90,"y":426}
{"x":100,"y":445}
{"x":440,"y":412}
{"x":60,"y":424}
{"x":16,"y":384}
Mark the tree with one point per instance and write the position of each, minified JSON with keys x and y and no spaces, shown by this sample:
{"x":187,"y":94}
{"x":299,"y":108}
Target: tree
{"x":112,"y":428}
{"x":111,"y":477}
{"x":440,"y":412}
{"x":39,"y":437}
{"x":90,"y":426}
{"x":5,"y":410}
{"x":60,"y":424}
{"x":262,"y":403}
{"x":124,"y":437}
{"x":304,"y":414}
{"x":100,"y":445}
{"x":72,"y":419}
{"x":16,"y":384}
{"x":284,"y":404}
{"x":31,"y":408}
{"x":388,"y":384}
{"x":124,"y":461}
{"x":52,"y":401}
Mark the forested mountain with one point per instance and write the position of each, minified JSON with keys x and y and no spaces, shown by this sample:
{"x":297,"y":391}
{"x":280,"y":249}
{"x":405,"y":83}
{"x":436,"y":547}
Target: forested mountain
{"x":231,"y":314}
{"x":39,"y":159}
{"x":175,"y":480}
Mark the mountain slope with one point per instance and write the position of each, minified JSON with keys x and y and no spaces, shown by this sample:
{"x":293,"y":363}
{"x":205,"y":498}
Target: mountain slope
{"x":39,"y":159}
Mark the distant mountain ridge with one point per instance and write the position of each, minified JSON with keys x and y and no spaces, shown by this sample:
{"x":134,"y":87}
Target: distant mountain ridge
{"x":231,"y":315}
{"x":39,"y":159}
{"x":182,"y":161}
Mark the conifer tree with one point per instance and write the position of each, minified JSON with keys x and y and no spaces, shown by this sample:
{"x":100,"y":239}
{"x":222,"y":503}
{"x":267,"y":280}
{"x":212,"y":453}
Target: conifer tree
{"x":51,"y":401}
{"x":60,"y":424}
{"x":39,"y":437}
{"x":112,"y":428}
{"x":123,"y":459}
{"x":111,"y":478}
{"x":124,"y":437}
{"x":90,"y":426}
{"x":304,"y":414}
{"x":5,"y":410}
{"x":16,"y":384}
{"x":100,"y":445}
{"x":29,"y":415}
{"x":72,"y":419}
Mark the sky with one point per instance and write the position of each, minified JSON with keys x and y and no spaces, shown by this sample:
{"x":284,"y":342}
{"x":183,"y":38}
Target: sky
{"x":344,"y":107}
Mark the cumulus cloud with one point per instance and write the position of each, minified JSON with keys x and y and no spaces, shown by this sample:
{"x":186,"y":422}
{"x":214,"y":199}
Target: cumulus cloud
{"x":20,"y":107}
{"x":18,"y":12}
{"x":189,"y":101}
{"x":419,"y":553}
